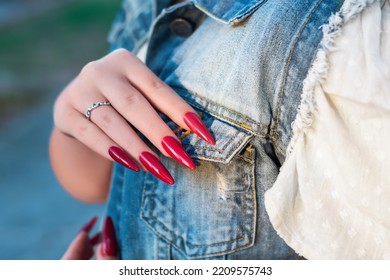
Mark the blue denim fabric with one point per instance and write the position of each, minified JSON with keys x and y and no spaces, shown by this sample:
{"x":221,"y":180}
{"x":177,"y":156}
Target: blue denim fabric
{"x":242,"y":68}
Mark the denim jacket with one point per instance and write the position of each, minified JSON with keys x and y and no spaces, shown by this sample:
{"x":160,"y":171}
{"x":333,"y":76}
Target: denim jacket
{"x":240,"y":64}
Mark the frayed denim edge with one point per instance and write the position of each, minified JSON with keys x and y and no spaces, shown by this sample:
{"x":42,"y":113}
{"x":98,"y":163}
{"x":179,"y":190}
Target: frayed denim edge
{"x":320,"y":66}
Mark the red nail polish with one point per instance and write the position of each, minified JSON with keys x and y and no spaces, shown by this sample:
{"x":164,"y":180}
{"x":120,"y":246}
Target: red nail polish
{"x":88,"y":226}
{"x":196,"y":124}
{"x":109,"y":245}
{"x":122,"y":158}
{"x":176,"y":151}
{"x":154,"y":166}
{"x":96,"y":239}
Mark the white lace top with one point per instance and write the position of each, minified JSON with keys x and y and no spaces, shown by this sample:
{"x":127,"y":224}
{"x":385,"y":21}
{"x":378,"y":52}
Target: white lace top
{"x":332,"y":197}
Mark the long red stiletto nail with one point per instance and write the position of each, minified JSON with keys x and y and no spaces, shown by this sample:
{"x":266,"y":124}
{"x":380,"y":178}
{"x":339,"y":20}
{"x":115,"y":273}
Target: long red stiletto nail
{"x":88,"y":226}
{"x":176,"y":151}
{"x":196,"y":124}
{"x":154,"y":166}
{"x":95,"y":240}
{"x":109,"y":245}
{"x":122,"y":158}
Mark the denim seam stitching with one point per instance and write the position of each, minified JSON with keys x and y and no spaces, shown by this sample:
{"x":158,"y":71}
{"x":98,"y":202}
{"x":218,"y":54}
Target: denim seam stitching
{"x":168,"y":245}
{"x":254,"y":199}
{"x":252,"y":232}
{"x":230,"y":250}
{"x":250,"y":11}
{"x":285,"y":71}
{"x":234,"y":148}
{"x":249,"y":128}
{"x":247,"y":159}
{"x":177,"y":237}
{"x":121,"y":198}
{"x":223,"y":147}
{"x":318,"y":70}
{"x":204,"y":148}
{"x":198,"y":246}
{"x":222,"y":106}
{"x":221,"y":117}
{"x":244,"y":221}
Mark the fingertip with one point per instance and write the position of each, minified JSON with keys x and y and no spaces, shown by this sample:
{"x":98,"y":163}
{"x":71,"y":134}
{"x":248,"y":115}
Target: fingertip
{"x":109,"y":246}
{"x":96,"y":239}
{"x":88,"y":226}
{"x":196,"y":125}
{"x":100,"y":255}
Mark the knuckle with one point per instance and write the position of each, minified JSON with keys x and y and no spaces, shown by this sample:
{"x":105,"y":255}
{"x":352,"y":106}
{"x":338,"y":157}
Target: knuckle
{"x":121,"y":54}
{"x":157,"y":84}
{"x":94,"y":68}
{"x":131,"y":99}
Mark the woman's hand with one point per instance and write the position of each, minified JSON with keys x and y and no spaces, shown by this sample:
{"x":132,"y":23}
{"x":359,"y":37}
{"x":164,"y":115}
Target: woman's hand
{"x":134,"y":94}
{"x":82,"y":247}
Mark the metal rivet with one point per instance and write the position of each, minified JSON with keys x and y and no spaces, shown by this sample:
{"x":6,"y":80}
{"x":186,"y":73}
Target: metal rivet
{"x":181,"y":27}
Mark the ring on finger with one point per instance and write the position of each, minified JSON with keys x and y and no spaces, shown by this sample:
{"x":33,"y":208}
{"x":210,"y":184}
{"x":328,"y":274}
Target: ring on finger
{"x":94,"y":106}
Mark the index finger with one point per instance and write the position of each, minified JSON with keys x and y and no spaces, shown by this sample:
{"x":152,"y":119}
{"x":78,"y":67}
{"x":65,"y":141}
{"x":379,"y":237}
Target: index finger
{"x":162,"y":97}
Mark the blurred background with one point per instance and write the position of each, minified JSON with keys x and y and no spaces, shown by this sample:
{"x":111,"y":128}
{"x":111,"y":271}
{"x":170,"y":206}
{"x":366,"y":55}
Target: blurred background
{"x":43,"y":45}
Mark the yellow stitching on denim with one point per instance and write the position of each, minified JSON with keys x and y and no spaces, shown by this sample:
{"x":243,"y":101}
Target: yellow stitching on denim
{"x":247,"y":159}
{"x":185,"y":134}
{"x":215,"y":103}
{"x":182,"y":133}
{"x":177,"y":130}
{"x":228,"y":119}
{"x":245,"y":126}
{"x":251,"y":129}
{"x":220,"y":105}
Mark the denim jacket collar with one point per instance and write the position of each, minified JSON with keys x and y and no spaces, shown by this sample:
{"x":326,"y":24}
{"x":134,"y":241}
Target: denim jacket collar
{"x":228,"y":11}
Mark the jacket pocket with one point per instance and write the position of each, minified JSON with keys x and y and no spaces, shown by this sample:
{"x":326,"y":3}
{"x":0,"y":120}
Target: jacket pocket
{"x":212,"y":210}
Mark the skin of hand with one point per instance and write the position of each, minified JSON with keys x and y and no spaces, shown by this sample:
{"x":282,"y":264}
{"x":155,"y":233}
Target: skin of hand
{"x":135,"y":95}
{"x":82,"y":247}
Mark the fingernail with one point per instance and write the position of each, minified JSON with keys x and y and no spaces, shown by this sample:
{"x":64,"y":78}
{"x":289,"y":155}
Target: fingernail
{"x":154,"y":166}
{"x":95,"y":240}
{"x":109,"y":245}
{"x":196,"y":124}
{"x":176,"y":151}
{"x":122,"y":158}
{"x":88,"y":226}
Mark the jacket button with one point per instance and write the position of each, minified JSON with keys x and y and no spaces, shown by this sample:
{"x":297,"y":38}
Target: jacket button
{"x":181,"y":27}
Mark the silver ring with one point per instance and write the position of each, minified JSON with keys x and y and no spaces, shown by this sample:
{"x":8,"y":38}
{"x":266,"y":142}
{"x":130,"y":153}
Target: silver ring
{"x":94,"y":106}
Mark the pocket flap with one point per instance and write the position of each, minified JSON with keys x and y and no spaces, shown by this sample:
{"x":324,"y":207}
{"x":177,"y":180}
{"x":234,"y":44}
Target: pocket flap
{"x":229,"y":141}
